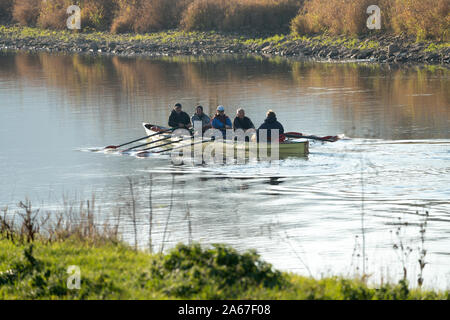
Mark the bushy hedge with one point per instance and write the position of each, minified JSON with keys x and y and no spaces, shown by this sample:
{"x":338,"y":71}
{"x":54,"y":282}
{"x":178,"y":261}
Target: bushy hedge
{"x":26,"y":12}
{"x":332,"y":16}
{"x":148,"y":15}
{"x":420,"y":18}
{"x":240,"y":15}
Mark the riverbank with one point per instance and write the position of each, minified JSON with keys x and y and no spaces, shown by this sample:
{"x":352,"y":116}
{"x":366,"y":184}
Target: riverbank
{"x":113,"y":270}
{"x":378,"y":49}
{"x":43,"y":258}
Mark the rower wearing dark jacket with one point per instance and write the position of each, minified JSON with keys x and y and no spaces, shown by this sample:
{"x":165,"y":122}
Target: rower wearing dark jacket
{"x":270,"y":124}
{"x":179,"y":118}
{"x":241,"y":121}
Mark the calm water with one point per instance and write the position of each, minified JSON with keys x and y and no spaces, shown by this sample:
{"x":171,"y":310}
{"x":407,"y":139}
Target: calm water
{"x":304,"y":215}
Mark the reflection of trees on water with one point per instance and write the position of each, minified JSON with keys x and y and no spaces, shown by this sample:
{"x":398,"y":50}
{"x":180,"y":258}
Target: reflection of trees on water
{"x":402,"y":97}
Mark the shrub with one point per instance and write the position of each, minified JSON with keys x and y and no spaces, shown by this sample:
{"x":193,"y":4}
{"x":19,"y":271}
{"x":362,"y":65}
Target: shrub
{"x":148,"y":15}
{"x":26,"y":12}
{"x":332,"y":16}
{"x":240,"y":15}
{"x":98,"y":14}
{"x":160,"y":14}
{"x":189,"y":270}
{"x":124,"y":20}
{"x":422,"y":18}
{"x":53,"y":14}
{"x":6,"y":7}
{"x":203,"y":15}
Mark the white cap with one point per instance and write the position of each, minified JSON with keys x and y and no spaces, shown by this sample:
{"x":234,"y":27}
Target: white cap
{"x":220,"y":108}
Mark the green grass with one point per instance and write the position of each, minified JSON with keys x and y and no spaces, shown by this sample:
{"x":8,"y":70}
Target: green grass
{"x":433,"y":47}
{"x":168,"y":37}
{"x":219,"y":39}
{"x":115,"y":271}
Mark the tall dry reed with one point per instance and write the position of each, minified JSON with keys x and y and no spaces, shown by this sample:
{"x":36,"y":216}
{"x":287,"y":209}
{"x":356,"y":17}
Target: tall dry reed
{"x":240,"y":15}
{"x":98,"y":14}
{"x":158,"y":15}
{"x":26,"y":12}
{"x":53,"y":14}
{"x":420,"y":18}
{"x":28,"y":225}
{"x":332,"y":16}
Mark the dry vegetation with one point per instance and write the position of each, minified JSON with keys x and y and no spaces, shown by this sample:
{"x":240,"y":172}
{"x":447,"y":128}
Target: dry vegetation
{"x":147,"y":16}
{"x":28,"y":225}
{"x":420,"y":18}
{"x":332,"y":16}
{"x":24,"y":12}
{"x":53,"y":14}
{"x":238,"y":15}
{"x":423,"y":18}
{"x":98,"y":14}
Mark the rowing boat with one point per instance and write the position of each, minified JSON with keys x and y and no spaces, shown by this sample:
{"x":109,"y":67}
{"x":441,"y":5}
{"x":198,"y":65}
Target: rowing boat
{"x":289,"y":148}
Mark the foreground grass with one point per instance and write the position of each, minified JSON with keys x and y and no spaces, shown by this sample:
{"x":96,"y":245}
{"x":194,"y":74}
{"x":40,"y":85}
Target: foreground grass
{"x":115,"y":271}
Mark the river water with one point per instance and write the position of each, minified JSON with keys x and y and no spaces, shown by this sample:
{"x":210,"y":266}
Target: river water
{"x":336,"y":212}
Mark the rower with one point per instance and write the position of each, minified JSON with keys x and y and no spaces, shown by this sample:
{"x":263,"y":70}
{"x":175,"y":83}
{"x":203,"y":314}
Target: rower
{"x":179,"y":118}
{"x":241,"y":121}
{"x":200,"y":116}
{"x":221,"y":120}
{"x":271,"y":123}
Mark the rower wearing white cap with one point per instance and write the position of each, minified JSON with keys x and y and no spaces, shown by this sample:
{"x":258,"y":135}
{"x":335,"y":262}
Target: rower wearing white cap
{"x":221,"y":120}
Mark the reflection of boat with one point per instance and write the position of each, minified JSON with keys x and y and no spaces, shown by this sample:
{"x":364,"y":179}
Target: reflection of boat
{"x":289,"y":148}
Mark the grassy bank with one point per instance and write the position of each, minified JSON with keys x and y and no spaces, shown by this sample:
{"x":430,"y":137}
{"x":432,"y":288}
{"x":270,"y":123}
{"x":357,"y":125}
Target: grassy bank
{"x":37,"y":248}
{"x":423,"y":19}
{"x":115,"y":271}
{"x":216,"y":40}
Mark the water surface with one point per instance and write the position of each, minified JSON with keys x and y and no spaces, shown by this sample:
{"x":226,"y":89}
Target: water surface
{"x":306,"y":215}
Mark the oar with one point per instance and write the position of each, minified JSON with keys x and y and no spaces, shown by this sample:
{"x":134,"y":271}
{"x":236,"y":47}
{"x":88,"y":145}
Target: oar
{"x":145,"y":151}
{"x":152,"y":135}
{"x":184,"y":146}
{"x":297,"y":135}
{"x":146,"y":144}
{"x":159,"y":146}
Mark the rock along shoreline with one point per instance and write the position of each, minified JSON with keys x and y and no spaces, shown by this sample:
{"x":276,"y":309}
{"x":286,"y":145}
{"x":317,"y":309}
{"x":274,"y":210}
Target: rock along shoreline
{"x":377,"y":49}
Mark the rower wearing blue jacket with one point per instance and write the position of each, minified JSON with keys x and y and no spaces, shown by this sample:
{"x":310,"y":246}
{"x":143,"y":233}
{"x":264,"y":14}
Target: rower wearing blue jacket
{"x":221,"y":120}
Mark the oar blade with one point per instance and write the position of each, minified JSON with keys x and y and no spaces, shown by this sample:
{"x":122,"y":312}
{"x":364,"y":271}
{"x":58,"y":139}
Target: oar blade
{"x":143,"y":154}
{"x":136,"y":140}
{"x":110,"y":147}
{"x":296,"y":135}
